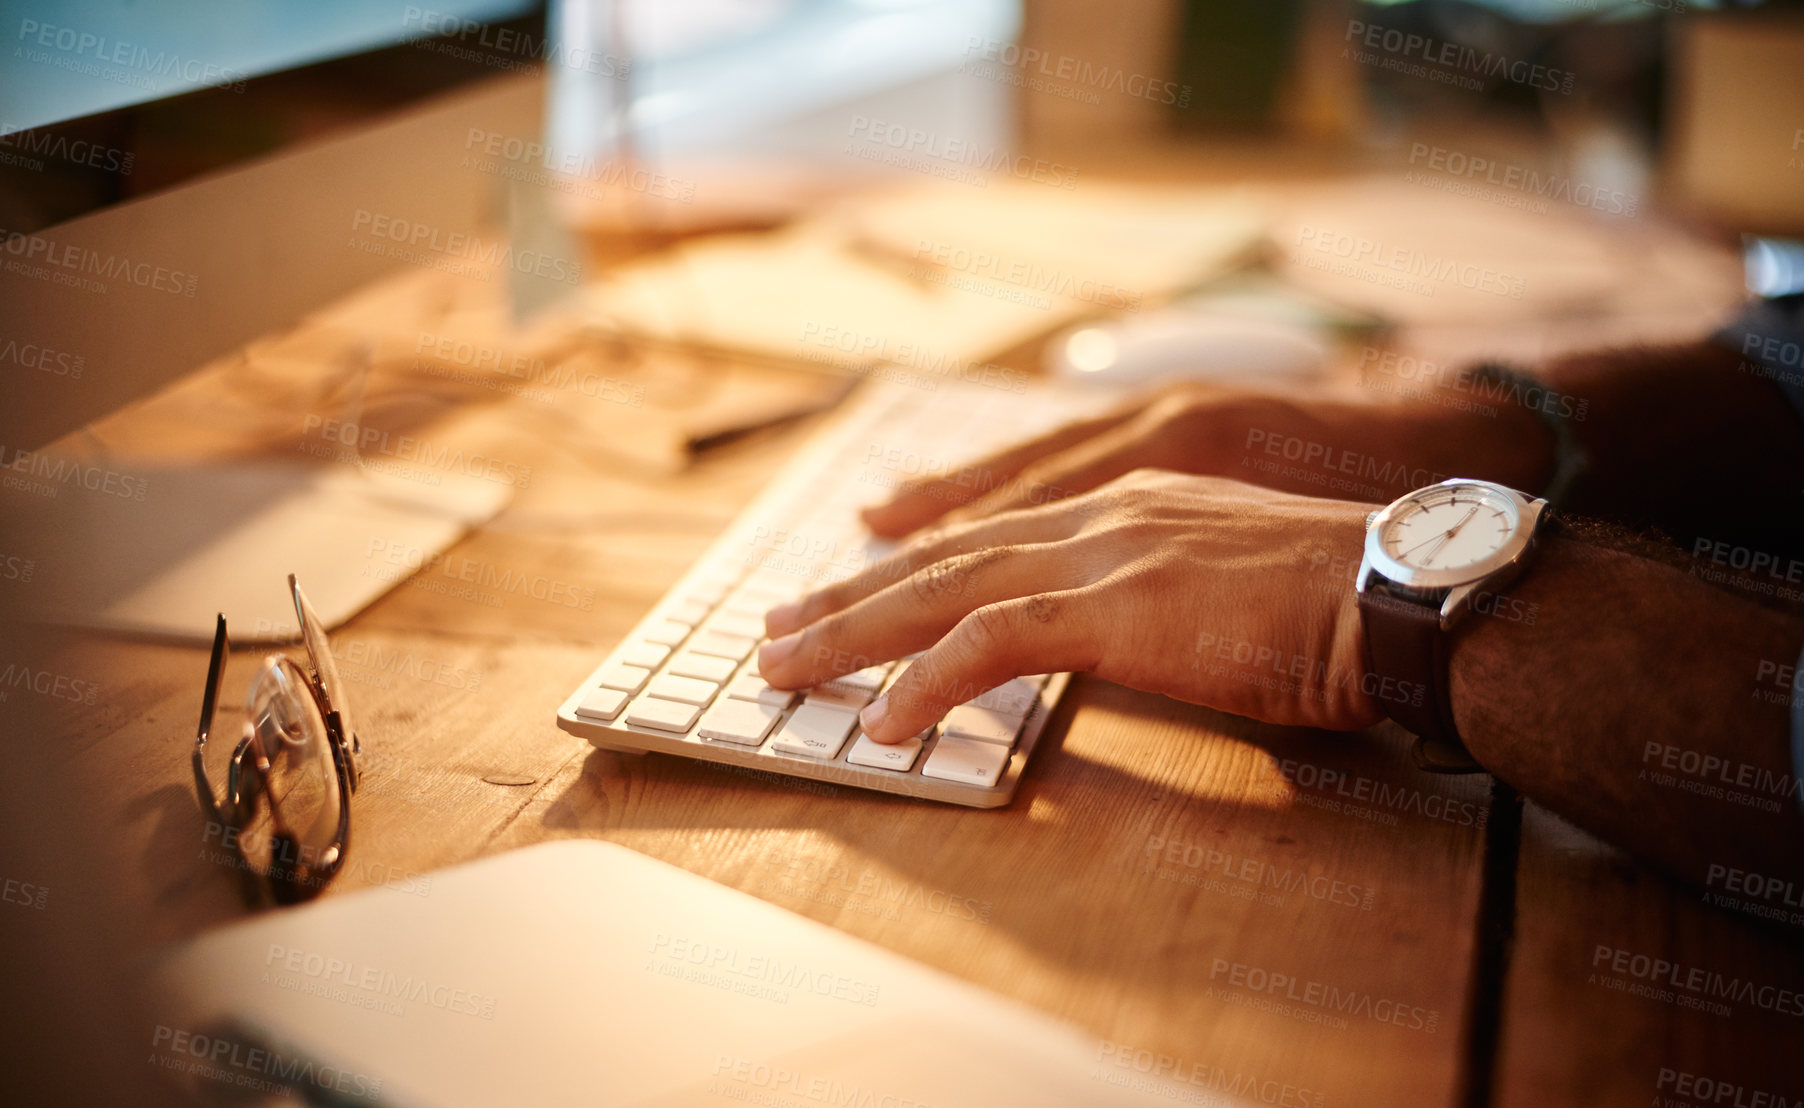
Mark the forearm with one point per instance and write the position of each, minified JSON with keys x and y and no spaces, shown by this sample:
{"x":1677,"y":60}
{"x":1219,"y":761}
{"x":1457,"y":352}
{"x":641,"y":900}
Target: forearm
{"x":1685,"y":439}
{"x":1642,"y":705}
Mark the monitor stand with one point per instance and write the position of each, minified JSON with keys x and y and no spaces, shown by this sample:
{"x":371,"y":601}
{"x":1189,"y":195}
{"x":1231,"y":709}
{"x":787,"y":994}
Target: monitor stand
{"x":158,"y":549}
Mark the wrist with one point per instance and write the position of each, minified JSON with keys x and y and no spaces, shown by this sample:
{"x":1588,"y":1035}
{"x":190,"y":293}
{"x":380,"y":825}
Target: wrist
{"x":1427,"y":568}
{"x":1367,"y":693}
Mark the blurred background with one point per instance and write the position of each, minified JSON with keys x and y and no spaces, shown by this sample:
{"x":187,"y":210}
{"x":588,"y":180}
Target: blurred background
{"x":1697,"y":101}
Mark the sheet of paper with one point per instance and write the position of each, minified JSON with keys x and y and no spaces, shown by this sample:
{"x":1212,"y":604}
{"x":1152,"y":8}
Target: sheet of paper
{"x":932,"y":274}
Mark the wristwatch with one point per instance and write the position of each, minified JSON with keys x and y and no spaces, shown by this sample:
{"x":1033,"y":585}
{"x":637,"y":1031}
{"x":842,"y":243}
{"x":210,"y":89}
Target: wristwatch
{"x":1429,"y":556}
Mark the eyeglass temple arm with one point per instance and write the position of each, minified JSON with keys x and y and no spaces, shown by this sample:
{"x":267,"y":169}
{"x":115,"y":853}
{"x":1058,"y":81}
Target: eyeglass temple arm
{"x":208,"y":706}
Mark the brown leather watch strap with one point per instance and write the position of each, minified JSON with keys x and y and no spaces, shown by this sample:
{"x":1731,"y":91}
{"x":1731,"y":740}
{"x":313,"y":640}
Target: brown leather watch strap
{"x":1409,"y":652}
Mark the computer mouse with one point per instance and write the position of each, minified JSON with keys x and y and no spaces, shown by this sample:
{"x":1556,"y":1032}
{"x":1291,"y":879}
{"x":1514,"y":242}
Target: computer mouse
{"x":1177,"y":343}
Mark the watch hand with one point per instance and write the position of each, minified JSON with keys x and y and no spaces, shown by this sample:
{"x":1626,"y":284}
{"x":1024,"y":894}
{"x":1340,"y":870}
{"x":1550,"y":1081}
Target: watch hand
{"x":1430,"y":556}
{"x":1442,"y":537}
{"x":1437,"y":537}
{"x":1450,"y":535}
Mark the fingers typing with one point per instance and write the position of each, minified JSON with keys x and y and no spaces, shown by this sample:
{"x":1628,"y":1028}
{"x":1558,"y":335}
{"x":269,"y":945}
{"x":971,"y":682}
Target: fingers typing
{"x":1030,"y":634}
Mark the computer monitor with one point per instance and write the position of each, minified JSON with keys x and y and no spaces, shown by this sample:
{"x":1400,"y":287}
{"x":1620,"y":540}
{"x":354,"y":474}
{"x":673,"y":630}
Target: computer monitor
{"x":178,"y":182}
{"x":163,"y":199}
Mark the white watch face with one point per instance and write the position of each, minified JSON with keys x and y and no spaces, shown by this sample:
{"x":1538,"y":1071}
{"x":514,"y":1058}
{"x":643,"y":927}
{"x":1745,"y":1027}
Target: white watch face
{"x":1449,"y":527}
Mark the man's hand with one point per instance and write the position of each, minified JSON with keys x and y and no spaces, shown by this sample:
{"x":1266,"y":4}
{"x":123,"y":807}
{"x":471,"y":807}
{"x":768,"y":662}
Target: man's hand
{"x":1345,"y":443}
{"x":1204,"y":589}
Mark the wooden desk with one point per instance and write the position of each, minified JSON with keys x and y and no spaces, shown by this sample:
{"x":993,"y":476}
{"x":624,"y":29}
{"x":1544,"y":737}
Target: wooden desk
{"x":1163,"y":868}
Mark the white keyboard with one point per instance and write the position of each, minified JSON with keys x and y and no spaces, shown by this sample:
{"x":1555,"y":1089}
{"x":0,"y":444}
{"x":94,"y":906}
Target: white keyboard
{"x":685,"y":680}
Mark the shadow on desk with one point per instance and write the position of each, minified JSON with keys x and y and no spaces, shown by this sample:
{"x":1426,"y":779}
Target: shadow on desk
{"x":1156,"y":851}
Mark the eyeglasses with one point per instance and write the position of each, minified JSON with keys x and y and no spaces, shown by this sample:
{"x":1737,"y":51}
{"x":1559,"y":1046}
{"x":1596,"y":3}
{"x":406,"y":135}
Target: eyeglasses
{"x":286,"y":816}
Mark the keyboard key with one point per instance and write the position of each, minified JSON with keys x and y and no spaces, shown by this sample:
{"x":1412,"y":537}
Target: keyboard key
{"x":715,"y":583}
{"x":774,"y":582}
{"x":899,"y":757}
{"x":709,"y":592}
{"x":738,"y":623}
{"x":966,"y":761}
{"x":755,"y":602}
{"x":602,"y":704}
{"x":666,"y":632}
{"x":818,"y":533}
{"x":870,"y":678}
{"x":688,"y":690}
{"x":619,"y":675}
{"x":758,"y":587}
{"x":835,"y":695}
{"x":722,"y":645}
{"x":750,"y":608}
{"x":1011,"y":698}
{"x":705,"y":666}
{"x":750,"y":686}
{"x":815,"y":731}
{"x":753,"y":605}
{"x":662,"y":715}
{"x":982,"y":724}
{"x":739,"y":721}
{"x":691,"y":611}
{"x":647,"y":654}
